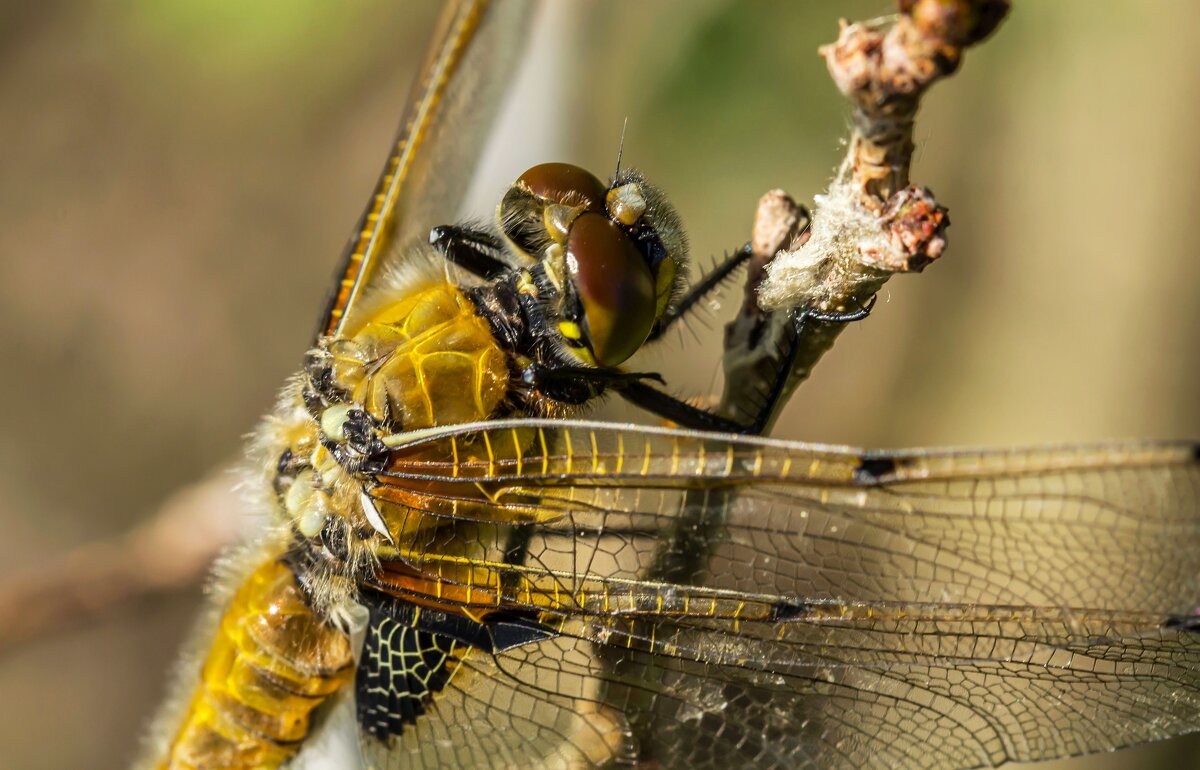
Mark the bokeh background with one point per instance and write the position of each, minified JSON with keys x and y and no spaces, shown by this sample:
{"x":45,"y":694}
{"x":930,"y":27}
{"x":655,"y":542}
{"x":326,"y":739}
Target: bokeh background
{"x":179,"y":178}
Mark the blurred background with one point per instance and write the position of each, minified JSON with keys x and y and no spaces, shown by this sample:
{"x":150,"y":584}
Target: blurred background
{"x":179,"y":180}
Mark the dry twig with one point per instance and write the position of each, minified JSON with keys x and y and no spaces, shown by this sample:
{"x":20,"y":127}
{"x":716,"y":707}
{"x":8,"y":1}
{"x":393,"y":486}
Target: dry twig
{"x":872,"y":222}
{"x":171,"y":551}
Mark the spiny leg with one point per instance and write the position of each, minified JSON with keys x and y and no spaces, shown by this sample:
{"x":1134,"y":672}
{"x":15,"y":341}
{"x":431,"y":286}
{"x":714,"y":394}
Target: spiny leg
{"x":713,"y":279}
{"x":708,"y":283}
{"x":682,"y":413}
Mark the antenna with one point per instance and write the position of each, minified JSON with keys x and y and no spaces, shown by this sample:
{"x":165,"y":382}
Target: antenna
{"x":620,"y":148}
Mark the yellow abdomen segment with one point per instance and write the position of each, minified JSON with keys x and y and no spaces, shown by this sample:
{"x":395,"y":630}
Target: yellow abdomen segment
{"x":428,"y":359}
{"x":272,"y":662}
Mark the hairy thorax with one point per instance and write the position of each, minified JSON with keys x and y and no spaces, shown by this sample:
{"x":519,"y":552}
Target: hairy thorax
{"x":426,"y":358}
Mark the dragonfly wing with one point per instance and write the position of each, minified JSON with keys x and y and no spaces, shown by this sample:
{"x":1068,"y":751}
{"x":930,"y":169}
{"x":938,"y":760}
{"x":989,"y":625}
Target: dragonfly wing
{"x":877,"y":692}
{"x":427,"y":700}
{"x":466,"y":72}
{"x":768,"y":603}
{"x":1110,"y":526}
{"x":884,"y":689}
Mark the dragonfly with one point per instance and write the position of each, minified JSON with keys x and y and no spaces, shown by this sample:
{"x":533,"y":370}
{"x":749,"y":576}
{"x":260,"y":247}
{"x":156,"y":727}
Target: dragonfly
{"x":464,"y":570}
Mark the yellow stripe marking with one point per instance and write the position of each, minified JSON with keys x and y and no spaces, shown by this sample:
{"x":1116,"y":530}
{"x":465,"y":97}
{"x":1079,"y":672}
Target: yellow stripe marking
{"x":517,"y":447}
{"x":487,"y":447}
{"x":371,"y":241}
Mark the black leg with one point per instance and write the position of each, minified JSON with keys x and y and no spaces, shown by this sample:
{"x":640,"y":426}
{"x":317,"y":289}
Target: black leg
{"x":841,"y":318}
{"x":677,"y":411}
{"x":707,"y":284}
{"x":787,"y":360}
{"x":664,"y":405}
{"x":475,"y":251}
{"x":537,"y":375}
{"x":579,"y":384}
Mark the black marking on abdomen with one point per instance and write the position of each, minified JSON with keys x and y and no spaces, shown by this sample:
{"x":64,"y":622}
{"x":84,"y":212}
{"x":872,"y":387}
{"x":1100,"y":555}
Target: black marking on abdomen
{"x":1196,"y":452}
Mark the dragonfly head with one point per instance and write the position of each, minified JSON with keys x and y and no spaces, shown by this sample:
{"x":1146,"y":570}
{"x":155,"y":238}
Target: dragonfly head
{"x":615,"y":254}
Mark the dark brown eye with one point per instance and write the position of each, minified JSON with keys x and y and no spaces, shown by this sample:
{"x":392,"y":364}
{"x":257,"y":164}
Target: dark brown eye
{"x":565,"y":183}
{"x":616,"y":289}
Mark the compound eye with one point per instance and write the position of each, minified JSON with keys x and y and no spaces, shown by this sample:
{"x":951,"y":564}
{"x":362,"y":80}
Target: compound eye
{"x":615,"y":287}
{"x":566,"y":184}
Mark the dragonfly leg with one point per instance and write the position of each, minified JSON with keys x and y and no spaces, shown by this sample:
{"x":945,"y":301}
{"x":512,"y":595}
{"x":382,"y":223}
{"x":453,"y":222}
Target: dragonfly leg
{"x":708,"y":283}
{"x":476,"y":251}
{"x":677,"y":410}
{"x":787,"y":358}
{"x":579,"y":384}
{"x":682,"y":413}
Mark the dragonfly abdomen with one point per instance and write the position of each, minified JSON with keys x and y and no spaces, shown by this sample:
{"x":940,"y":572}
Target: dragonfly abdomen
{"x":272,"y":662}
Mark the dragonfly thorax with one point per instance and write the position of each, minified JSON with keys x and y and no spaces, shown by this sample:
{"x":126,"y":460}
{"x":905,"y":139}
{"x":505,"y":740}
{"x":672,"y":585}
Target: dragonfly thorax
{"x":425,"y":359}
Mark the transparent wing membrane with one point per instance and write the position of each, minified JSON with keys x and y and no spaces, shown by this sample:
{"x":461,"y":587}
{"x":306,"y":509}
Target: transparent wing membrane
{"x":725,"y":601}
{"x":1104,"y":527}
{"x":476,"y":47}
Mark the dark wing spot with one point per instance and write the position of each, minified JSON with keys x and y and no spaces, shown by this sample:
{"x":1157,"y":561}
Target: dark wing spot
{"x":515,"y":631}
{"x":873,"y":470}
{"x":1196,"y":452}
{"x":787,"y":610}
{"x":409,"y":654}
{"x":1185,"y":623}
